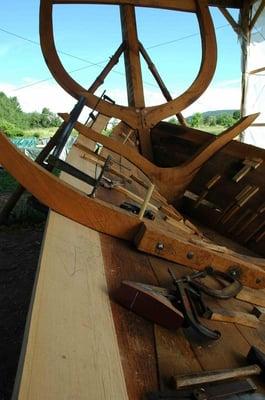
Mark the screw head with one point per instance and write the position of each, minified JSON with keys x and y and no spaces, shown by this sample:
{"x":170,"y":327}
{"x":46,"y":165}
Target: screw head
{"x":190,"y":255}
{"x":159,"y":246}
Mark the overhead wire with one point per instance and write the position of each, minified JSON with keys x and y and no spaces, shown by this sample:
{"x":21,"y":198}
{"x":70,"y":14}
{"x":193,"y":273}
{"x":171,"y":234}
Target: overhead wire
{"x":93,"y":64}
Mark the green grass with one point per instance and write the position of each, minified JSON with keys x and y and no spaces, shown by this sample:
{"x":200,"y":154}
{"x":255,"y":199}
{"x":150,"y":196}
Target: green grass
{"x":40,"y":132}
{"x":215,"y":130}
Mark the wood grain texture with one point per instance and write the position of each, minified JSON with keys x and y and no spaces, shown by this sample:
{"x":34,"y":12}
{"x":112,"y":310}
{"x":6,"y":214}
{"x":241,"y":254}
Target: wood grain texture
{"x":64,"y":198}
{"x":71,"y":346}
{"x":135,"y":335}
{"x":183,"y":251}
{"x":251,"y":296}
{"x":171,"y":182}
{"x":137,"y":118}
{"x":186,"y":5}
{"x":237,"y":317}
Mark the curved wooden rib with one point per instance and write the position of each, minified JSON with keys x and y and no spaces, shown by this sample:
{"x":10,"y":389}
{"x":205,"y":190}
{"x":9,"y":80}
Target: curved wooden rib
{"x":103,"y":217}
{"x":64,"y":198}
{"x":179,"y":5}
{"x":171,"y":182}
{"x":136,"y":118}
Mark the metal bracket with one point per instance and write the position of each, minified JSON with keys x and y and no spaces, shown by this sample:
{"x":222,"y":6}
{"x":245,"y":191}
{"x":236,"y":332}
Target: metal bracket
{"x":76,"y":173}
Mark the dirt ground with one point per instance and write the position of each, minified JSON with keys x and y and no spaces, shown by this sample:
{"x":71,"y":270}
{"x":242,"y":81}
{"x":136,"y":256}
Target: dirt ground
{"x":19,"y":252}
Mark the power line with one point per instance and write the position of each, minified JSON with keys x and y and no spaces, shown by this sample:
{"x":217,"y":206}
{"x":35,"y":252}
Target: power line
{"x":92,"y":64}
{"x":181,"y":38}
{"x":59,"y":51}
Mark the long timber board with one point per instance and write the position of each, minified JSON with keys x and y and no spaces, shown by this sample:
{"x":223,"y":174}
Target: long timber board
{"x":70,"y":347}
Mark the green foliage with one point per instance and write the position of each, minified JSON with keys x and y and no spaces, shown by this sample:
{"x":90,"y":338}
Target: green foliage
{"x":10,"y":129}
{"x":236,"y":115}
{"x":226,"y":120}
{"x":173,"y":120}
{"x":196,"y":120}
{"x":14,"y":122}
{"x":210,"y":120}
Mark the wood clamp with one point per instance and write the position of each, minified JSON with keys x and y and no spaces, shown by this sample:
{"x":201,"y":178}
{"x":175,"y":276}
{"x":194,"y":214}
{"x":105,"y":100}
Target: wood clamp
{"x":227,"y":292}
{"x":248,"y":165}
{"x":179,"y":306}
{"x":76,"y":173}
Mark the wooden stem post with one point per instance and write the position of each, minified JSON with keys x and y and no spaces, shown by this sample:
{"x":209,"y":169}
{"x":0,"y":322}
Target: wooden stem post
{"x":135,"y":90}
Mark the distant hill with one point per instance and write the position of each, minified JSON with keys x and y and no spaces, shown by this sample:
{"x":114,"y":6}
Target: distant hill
{"x":214,"y":113}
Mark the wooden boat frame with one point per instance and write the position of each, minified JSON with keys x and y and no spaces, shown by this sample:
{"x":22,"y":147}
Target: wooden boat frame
{"x":104,"y":217}
{"x":170,"y":182}
{"x":137,"y":118}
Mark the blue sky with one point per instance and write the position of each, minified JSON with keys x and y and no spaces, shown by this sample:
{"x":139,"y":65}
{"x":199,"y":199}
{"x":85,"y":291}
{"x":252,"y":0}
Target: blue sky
{"x":92,"y":33}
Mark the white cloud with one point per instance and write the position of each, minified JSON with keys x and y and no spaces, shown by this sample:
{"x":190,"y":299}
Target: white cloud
{"x":35,"y":97}
{"x":224,"y":95}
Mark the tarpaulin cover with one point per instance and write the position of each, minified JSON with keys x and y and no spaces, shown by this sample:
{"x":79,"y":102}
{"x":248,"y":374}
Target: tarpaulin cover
{"x":255,"y":83}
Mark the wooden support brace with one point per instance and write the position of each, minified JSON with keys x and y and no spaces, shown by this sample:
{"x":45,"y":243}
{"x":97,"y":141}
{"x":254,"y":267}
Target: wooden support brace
{"x":230,"y":19}
{"x":181,"y":250}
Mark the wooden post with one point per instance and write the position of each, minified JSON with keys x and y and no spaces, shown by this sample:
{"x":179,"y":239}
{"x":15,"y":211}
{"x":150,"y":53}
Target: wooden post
{"x":135,"y":90}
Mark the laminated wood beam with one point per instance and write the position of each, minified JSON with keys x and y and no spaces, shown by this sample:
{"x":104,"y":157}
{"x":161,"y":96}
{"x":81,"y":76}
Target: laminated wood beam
{"x":181,"y":5}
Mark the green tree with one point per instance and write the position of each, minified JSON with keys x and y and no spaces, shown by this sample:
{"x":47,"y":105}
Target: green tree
{"x":173,"y":120}
{"x":196,"y":120}
{"x":210,"y":120}
{"x":225,"y":119}
{"x":236,"y":115}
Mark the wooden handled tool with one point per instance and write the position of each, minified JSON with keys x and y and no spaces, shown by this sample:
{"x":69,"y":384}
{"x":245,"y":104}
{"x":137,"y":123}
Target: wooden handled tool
{"x":199,"y":378}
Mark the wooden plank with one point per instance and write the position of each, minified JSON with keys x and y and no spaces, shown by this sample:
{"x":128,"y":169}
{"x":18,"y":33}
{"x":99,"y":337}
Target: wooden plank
{"x":236,"y":317}
{"x":72,"y":349}
{"x":135,"y":335}
{"x":251,"y":296}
